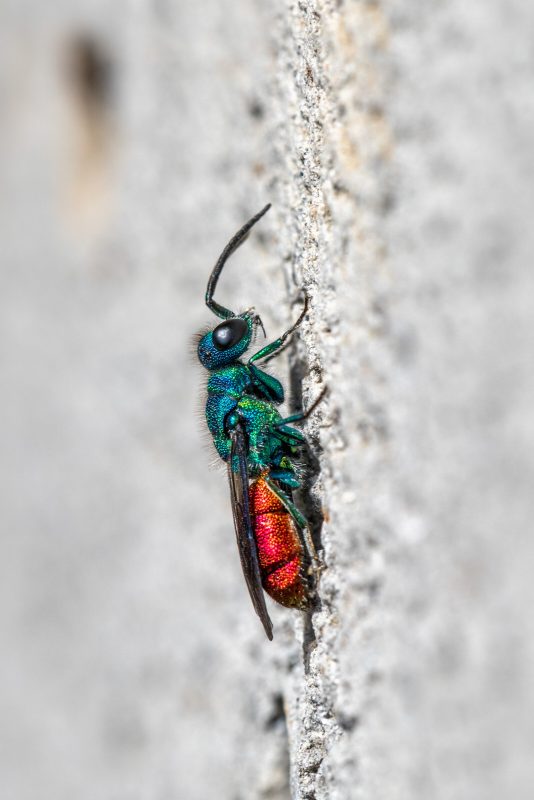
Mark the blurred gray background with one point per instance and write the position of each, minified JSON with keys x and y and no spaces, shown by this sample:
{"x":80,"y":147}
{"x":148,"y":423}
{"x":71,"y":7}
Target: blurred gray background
{"x":395,"y":141}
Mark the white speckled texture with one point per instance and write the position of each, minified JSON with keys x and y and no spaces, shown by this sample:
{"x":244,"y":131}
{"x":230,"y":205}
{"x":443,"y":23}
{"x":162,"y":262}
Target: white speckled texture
{"x":395,"y":141}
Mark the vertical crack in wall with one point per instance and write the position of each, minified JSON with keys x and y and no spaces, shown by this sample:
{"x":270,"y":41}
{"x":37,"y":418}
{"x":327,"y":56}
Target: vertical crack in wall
{"x":307,"y":498}
{"x":332,"y":142}
{"x":278,"y":789}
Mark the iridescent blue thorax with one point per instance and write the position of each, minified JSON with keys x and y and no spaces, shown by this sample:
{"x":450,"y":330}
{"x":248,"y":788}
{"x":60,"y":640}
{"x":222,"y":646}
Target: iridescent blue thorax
{"x":226,"y":386}
{"x":233,"y":379}
{"x":243,"y":391}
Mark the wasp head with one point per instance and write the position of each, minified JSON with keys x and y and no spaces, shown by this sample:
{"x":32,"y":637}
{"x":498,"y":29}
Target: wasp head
{"x":227,"y":342}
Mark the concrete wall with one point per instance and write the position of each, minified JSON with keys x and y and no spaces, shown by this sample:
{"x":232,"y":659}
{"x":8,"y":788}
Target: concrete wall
{"x":394,"y":140}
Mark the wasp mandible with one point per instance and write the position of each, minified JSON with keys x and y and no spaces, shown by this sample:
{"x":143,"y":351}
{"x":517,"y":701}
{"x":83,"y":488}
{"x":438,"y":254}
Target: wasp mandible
{"x":260,"y":448}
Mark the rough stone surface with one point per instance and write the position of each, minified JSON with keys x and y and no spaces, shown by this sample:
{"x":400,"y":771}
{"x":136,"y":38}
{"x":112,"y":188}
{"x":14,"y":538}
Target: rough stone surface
{"x":394,"y":140}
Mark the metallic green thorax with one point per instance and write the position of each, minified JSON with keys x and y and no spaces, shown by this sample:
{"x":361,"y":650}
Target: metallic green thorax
{"x":242,"y":391}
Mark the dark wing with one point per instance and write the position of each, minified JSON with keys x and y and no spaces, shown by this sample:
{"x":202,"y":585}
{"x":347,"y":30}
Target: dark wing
{"x":246,"y":542}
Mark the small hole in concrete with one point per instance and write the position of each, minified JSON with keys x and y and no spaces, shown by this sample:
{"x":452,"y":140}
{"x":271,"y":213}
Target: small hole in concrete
{"x":90,"y":70}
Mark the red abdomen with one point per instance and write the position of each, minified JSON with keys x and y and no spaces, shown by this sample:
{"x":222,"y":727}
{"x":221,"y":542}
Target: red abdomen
{"x":280,"y":550}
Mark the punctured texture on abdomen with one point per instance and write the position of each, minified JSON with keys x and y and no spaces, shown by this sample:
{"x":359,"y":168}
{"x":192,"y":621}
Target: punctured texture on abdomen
{"x":280,"y":550}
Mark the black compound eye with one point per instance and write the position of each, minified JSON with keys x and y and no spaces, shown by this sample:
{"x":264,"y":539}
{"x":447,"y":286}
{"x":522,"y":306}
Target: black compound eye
{"x":229,"y":333}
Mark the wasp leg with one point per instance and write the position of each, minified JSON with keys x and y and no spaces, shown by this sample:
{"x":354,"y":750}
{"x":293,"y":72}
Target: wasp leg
{"x":290,"y":435}
{"x":302,"y":524}
{"x":271,"y":348}
{"x":302,"y":415}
